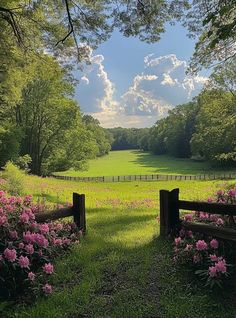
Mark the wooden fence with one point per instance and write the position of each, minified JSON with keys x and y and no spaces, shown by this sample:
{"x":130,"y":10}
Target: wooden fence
{"x":150,"y":177}
{"x":77,"y":211}
{"x":170,"y":216}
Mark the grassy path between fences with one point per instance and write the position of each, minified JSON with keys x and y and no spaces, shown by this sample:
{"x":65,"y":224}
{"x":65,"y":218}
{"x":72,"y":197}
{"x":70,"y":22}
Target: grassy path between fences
{"x":122,"y":268}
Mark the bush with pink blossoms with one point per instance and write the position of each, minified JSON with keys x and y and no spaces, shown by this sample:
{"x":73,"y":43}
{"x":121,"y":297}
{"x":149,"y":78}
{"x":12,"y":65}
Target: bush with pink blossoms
{"x":203,"y":256}
{"x":27,"y":248}
{"x":206,"y":255}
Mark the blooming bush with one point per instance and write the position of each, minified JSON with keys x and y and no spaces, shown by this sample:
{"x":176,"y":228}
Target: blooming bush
{"x":206,"y":255}
{"x":27,"y":248}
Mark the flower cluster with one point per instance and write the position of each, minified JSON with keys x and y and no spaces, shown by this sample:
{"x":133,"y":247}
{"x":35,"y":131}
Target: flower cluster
{"x":201,"y":254}
{"x":27,"y":247}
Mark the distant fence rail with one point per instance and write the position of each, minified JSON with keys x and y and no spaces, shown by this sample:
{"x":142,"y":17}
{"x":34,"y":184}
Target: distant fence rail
{"x":150,"y":177}
{"x":170,"y":216}
{"x":77,"y":210}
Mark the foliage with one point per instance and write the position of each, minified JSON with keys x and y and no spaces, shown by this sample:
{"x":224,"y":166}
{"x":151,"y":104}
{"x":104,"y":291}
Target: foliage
{"x":205,"y":256}
{"x":28,"y":248}
{"x":15,"y":178}
{"x":172,"y":135}
{"x":23,"y":162}
{"x":214,"y":24}
{"x":214,"y":138}
{"x":128,"y":138}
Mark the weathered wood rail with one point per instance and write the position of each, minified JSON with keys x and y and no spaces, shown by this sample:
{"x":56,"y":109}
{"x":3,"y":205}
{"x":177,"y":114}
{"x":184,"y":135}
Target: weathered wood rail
{"x":77,"y":210}
{"x":170,"y":207}
{"x":149,"y":177}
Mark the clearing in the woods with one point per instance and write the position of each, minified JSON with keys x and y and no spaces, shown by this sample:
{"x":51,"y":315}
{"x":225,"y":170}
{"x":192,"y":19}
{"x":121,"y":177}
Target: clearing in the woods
{"x":134,"y":162}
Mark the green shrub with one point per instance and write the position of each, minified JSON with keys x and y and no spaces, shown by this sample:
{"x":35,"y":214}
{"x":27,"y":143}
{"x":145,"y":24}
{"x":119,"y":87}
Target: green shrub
{"x":15,"y":178}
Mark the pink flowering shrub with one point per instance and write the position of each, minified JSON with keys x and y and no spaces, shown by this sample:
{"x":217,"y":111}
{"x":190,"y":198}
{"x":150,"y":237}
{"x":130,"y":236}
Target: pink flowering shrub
{"x":204,"y":255}
{"x":27,"y":248}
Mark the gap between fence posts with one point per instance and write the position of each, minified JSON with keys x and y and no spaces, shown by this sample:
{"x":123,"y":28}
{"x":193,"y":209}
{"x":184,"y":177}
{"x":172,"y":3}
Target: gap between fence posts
{"x":169,"y":211}
{"x":79,"y":211}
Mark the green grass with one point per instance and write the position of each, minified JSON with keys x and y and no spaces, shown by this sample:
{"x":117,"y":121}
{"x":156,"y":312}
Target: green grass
{"x":131,"y":162}
{"x":122,"y":268}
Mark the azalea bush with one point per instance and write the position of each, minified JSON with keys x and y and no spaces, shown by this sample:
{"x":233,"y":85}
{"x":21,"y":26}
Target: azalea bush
{"x":207,"y":257}
{"x":27,"y":248}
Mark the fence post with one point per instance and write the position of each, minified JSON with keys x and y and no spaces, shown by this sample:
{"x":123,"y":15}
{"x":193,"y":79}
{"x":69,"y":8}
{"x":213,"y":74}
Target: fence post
{"x":79,"y":211}
{"x":169,"y":211}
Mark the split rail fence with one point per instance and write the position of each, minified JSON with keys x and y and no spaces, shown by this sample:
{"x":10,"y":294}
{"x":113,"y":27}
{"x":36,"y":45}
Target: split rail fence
{"x":170,"y":207}
{"x":77,"y":210}
{"x":150,"y":177}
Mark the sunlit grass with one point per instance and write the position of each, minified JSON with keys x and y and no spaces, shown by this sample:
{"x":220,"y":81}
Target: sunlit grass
{"x":134,"y":162}
{"x":121,"y":268}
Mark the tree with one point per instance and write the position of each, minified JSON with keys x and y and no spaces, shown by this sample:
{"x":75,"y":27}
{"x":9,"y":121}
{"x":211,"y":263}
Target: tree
{"x":214,"y":23}
{"x":214,"y":138}
{"x":54,"y":23}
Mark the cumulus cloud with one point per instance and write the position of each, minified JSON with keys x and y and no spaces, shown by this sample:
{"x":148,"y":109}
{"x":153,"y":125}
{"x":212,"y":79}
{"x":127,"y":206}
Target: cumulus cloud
{"x":162,"y":85}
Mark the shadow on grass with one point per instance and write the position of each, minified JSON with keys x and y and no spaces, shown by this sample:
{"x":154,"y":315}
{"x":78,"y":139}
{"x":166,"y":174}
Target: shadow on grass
{"x":163,"y":164}
{"x":127,"y":277}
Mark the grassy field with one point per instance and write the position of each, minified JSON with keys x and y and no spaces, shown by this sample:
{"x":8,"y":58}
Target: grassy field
{"x":122,"y":268}
{"x":131,"y":162}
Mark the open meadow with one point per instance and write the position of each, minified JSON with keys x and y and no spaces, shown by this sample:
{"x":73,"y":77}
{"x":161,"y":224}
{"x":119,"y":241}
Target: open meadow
{"x":131,"y":162}
{"x":122,"y":268}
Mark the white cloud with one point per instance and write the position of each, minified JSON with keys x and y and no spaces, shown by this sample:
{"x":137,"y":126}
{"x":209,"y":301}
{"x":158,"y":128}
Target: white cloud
{"x":162,"y":85}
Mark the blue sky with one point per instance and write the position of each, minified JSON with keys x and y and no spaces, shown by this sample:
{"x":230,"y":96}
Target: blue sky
{"x":133,"y":84}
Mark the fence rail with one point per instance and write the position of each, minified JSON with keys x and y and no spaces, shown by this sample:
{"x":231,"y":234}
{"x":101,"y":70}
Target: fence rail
{"x":77,"y":211}
{"x":150,"y":177}
{"x":170,"y":216}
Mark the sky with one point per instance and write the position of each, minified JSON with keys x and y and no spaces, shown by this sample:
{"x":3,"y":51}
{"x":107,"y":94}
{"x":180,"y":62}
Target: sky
{"x":130,"y":83}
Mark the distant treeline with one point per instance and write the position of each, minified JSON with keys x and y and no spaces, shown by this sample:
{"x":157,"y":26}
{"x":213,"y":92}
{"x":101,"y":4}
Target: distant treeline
{"x":204,"y":129}
{"x":128,"y":138}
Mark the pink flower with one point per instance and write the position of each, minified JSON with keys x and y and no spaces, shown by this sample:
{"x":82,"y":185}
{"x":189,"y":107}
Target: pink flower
{"x":188,"y":217}
{"x":209,"y":200}
{"x":21,"y":245}
{"x":9,"y":208}
{"x":57,"y":241}
{"x":232,"y":192}
{"x":190,"y":234}
{"x":178,"y":240}
{"x":196,"y":258}
{"x":212,"y":271}
{"x":29,"y":248}
{"x":203,"y":216}
{"x":188,"y":247}
{"x":23,"y":261}
{"x":214,"y":243}
{"x":221,"y":266}
{"x":40,"y":253}
{"x":24,"y":218}
{"x":44,"y":228}
{"x":59,"y":226}
{"x":31,"y":276}
{"x":13,"y":234}
{"x":48,"y":268}
{"x":220,"y":221}
{"x":201,"y":245}
{"x":47,"y":289}
{"x":10,"y":254}
{"x":3,"y":220}
{"x":220,"y":192}
{"x":28,"y":237}
{"x":213,"y":257}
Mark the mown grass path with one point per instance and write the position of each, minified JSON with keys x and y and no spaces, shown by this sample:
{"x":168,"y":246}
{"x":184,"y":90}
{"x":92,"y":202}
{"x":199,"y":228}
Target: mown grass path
{"x":122,"y":268}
